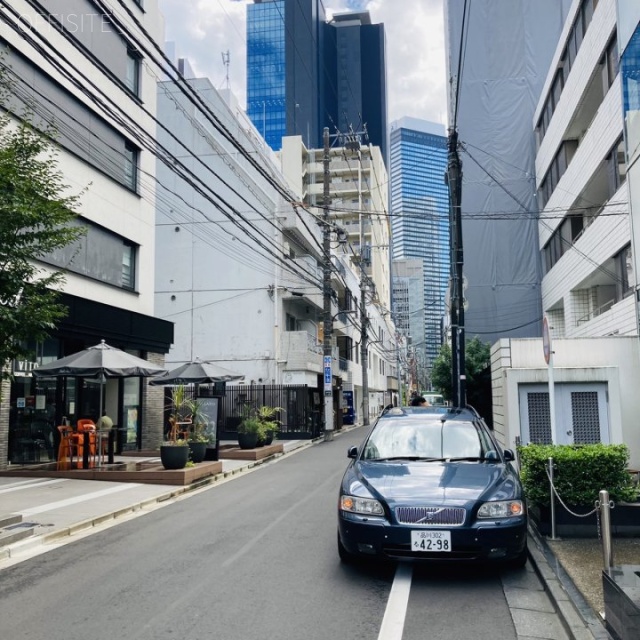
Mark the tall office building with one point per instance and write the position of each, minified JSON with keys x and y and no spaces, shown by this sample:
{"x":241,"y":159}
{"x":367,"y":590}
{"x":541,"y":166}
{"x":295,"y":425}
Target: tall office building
{"x":508,"y":46}
{"x":304,"y":74}
{"x":420,"y":218}
{"x":355,"y":76}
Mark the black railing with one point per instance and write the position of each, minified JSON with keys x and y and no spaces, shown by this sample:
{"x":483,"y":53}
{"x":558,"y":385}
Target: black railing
{"x":299,"y":417}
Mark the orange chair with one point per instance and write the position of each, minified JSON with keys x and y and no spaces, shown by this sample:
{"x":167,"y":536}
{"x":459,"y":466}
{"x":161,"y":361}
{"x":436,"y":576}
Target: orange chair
{"x":68,"y":448}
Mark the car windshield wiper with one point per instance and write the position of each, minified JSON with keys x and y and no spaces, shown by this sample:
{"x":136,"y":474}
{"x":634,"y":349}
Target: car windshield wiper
{"x":410,"y":458}
{"x":466,"y":458}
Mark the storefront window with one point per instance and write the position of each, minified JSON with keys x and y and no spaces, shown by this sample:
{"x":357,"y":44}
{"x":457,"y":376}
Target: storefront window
{"x":33,"y":403}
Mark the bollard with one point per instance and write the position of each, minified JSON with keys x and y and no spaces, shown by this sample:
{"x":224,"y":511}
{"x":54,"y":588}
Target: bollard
{"x":553,"y":501}
{"x":605,"y":523}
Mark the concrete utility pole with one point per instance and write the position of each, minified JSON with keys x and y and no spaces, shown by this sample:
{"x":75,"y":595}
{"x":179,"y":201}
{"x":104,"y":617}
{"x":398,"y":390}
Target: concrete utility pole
{"x":364,"y":337}
{"x":454,"y":180}
{"x":326,"y":289}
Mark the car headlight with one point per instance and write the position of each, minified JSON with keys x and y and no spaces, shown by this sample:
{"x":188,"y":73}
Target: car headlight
{"x":504,"y":509}
{"x":365,"y":506}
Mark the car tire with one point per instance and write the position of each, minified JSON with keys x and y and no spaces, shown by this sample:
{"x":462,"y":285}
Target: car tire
{"x":520,"y":560}
{"x":345,"y":556}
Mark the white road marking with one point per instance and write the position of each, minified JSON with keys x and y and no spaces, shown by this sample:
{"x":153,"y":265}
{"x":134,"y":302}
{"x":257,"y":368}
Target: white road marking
{"x":30,"y":484}
{"x":394,"y":615}
{"x":52,"y":506}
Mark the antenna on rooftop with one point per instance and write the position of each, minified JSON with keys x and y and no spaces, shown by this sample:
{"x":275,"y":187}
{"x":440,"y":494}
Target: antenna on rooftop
{"x":226,"y":61}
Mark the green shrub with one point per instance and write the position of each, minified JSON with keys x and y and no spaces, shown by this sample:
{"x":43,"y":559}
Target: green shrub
{"x":580,"y":473}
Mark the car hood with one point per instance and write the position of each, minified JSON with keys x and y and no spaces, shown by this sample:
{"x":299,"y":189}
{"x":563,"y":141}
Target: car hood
{"x":433,"y":482}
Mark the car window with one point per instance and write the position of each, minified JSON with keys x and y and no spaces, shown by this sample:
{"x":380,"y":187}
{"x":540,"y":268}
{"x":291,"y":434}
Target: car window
{"x":425,"y":439}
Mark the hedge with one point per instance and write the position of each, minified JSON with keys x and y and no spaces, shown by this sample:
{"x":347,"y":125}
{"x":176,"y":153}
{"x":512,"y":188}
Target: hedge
{"x":580,"y":473}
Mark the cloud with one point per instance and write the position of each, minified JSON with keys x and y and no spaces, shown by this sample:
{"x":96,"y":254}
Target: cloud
{"x":416,"y":77}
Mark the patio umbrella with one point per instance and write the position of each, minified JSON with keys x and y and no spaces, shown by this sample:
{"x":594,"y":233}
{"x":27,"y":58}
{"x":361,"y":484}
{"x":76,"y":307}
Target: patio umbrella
{"x":100,"y":361}
{"x":197,"y":372}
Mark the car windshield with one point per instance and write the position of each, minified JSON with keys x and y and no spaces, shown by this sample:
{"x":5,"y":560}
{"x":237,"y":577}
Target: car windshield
{"x":426,"y":440}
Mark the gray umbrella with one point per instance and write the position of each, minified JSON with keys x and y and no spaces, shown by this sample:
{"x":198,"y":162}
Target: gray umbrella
{"x":197,"y":372}
{"x":100,"y":361}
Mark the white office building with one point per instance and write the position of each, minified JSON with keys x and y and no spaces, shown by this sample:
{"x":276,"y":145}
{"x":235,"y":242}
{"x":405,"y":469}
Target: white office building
{"x":92,"y":76}
{"x":586,"y":245}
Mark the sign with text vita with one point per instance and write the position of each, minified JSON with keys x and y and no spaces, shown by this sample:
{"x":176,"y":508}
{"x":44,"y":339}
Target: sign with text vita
{"x":327,"y":372}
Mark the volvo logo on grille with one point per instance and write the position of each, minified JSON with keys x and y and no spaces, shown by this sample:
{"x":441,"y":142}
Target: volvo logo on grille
{"x":429,"y":516}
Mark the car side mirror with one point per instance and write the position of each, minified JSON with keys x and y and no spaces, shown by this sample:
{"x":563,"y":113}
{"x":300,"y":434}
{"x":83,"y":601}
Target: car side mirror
{"x":352,"y":452}
{"x":509,"y":455}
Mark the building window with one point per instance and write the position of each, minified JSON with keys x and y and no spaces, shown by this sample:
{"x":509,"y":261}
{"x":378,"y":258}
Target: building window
{"x":291,"y":323}
{"x":610,"y":64}
{"x":131,"y":165}
{"x":574,"y":41}
{"x":625,"y":280}
{"x":128,"y":266}
{"x":132,"y":79}
{"x":616,"y":167}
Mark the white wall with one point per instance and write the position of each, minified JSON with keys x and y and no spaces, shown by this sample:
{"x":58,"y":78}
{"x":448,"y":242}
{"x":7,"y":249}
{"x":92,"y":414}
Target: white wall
{"x":612,"y":360}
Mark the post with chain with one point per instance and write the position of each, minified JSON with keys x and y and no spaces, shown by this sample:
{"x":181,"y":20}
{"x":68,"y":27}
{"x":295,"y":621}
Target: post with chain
{"x":605,"y":523}
{"x":553,"y":501}
{"x":326,"y":290}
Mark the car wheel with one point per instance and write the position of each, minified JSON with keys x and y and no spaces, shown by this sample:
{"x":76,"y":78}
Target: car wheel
{"x":520,"y":560}
{"x":345,"y":556}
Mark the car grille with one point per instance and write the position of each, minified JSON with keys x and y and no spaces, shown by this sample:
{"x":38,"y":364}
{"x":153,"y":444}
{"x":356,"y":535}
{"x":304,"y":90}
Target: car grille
{"x":431,"y":516}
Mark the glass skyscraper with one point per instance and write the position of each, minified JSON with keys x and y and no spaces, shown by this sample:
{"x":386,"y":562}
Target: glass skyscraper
{"x":420,"y":217}
{"x":304,"y":73}
{"x":266,"y":81}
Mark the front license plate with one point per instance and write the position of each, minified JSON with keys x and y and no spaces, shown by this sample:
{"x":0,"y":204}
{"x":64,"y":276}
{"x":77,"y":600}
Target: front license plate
{"x":439,"y":541}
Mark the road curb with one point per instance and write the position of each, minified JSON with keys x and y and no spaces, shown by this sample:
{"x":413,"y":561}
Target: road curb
{"x":576,"y":616}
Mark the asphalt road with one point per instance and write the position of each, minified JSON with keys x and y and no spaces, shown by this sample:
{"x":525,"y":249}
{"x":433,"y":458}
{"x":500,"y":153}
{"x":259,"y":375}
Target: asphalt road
{"x":254,"y":558}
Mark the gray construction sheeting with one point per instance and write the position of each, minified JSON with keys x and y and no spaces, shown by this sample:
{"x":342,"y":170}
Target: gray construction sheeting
{"x":507,"y":55}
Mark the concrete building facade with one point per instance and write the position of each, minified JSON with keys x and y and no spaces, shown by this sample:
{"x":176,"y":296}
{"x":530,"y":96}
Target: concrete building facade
{"x":85,"y":73}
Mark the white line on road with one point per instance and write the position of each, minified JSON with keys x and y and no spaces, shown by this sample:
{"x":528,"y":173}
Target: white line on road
{"x":52,"y":506}
{"x":393,"y":621}
{"x":30,"y":484}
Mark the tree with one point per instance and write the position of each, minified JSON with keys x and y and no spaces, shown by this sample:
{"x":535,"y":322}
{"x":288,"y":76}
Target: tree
{"x":441,"y":372}
{"x":477,"y":371}
{"x":36,"y":217}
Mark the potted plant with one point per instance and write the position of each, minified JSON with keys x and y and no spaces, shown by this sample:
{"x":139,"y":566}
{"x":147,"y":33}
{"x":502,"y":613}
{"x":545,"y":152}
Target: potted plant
{"x":267,"y":416}
{"x":250,"y":430}
{"x":197,"y":439}
{"x":174,"y":452}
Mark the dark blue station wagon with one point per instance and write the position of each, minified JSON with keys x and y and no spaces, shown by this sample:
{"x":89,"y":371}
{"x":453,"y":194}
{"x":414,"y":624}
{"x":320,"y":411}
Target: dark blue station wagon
{"x":432,"y":484}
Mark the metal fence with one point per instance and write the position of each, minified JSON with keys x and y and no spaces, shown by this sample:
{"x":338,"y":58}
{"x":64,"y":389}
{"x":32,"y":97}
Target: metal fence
{"x":300,"y":416}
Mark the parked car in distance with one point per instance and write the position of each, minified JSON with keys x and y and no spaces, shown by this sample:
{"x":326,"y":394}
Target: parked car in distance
{"x":431,"y":484}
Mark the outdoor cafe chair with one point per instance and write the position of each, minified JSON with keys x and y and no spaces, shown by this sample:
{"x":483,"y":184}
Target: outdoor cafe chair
{"x":68,"y":448}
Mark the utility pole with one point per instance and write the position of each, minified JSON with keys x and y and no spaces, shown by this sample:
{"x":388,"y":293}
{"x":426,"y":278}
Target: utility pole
{"x":326,"y":290}
{"x":364,"y":337}
{"x":454,"y":181}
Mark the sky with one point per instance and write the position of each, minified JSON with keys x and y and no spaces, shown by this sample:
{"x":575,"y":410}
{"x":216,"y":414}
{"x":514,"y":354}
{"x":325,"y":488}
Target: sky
{"x":204,"y":30}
